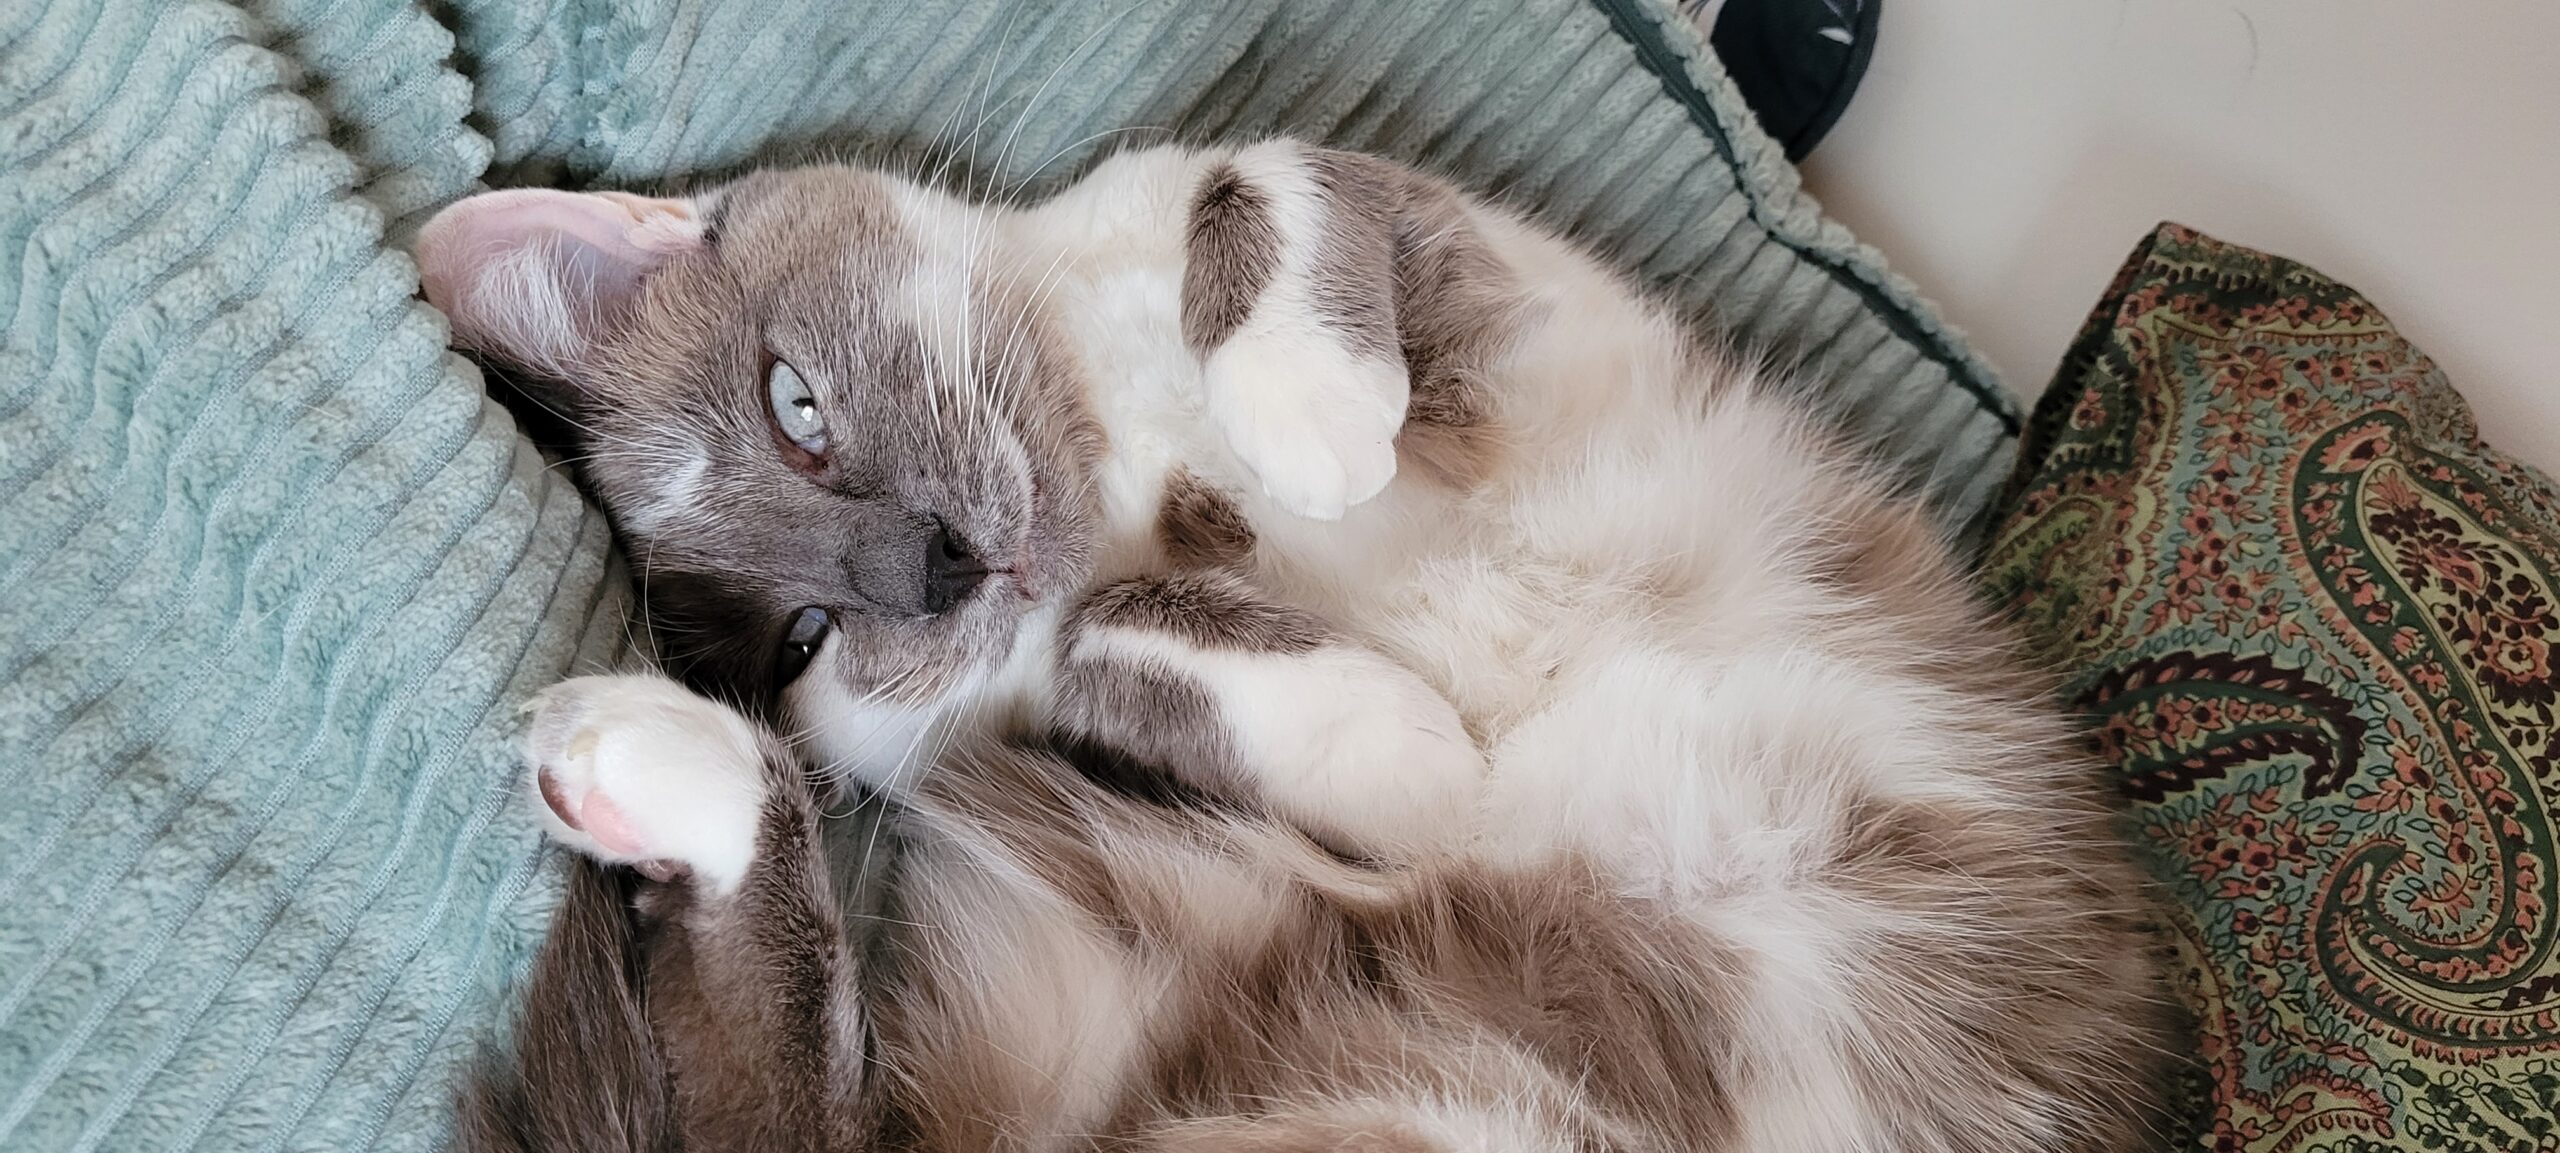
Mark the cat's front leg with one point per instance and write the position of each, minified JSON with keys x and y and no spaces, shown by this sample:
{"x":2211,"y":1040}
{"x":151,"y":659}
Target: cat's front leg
{"x":1288,"y":295}
{"x":1195,"y":679}
{"x":746,"y":978}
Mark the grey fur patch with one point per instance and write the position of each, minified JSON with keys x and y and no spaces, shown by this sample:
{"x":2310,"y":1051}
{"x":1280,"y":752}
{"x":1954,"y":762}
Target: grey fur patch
{"x":1199,"y":526}
{"x":1369,"y":997}
{"x":1399,"y":271}
{"x":584,"y":1074}
{"x":2064,"y":1023}
{"x":1233,"y":247}
{"x":1457,"y":306}
{"x":1354,"y":275}
{"x":752,"y":998}
{"x":1142,"y":725}
{"x":1146,"y":732}
{"x":1210,"y":610}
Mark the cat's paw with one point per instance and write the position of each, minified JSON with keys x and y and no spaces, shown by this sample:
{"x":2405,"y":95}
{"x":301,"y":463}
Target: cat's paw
{"x":1385,"y":760}
{"x":1314,"y":423}
{"x":636,"y":770}
{"x":1350,"y":745}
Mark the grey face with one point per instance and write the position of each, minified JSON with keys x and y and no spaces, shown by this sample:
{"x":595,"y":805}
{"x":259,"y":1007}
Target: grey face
{"x":834,"y":444}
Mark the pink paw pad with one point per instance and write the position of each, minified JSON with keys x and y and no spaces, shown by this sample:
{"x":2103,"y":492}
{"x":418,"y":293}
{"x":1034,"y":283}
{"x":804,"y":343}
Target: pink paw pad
{"x":634,"y":770}
{"x":598,"y":817}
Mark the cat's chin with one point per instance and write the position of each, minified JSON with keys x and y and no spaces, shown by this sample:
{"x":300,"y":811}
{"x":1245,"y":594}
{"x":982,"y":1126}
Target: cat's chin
{"x":850,"y":736}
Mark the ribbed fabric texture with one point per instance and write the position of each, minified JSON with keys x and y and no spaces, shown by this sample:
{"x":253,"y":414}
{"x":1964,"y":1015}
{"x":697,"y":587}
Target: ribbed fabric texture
{"x":273,"y":578}
{"x":274,"y":575}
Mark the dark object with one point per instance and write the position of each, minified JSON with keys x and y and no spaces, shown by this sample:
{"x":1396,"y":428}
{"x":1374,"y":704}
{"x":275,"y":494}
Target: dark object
{"x":1796,"y":61}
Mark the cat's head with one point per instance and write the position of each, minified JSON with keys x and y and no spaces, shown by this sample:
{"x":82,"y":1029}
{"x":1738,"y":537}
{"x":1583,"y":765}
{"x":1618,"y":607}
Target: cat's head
{"x":839,"y":448}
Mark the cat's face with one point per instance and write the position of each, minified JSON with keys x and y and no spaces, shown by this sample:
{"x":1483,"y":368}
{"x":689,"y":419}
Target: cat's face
{"x":841,"y":453}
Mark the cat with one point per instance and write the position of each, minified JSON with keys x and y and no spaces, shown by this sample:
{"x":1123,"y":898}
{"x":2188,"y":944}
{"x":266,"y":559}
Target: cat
{"x":1342,"y":669}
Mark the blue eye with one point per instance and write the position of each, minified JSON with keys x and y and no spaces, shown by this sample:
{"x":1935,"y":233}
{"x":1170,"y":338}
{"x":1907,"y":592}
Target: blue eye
{"x":795,"y":409}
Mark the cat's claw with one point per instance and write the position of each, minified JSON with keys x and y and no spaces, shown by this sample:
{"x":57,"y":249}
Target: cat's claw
{"x":1314,"y":423}
{"x":636,"y":770}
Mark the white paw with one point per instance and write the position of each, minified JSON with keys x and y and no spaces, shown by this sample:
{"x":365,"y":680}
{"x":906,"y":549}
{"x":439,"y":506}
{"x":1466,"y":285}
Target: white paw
{"x":1315,"y":424}
{"x":637,"y":770}
{"x":1389,"y":762}
{"x":1351,"y":745}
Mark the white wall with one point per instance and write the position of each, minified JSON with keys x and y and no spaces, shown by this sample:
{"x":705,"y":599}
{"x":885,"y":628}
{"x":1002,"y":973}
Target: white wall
{"x":2006,"y":155}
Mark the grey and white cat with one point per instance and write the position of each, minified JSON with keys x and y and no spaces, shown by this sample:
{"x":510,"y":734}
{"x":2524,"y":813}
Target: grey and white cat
{"x":1347,"y":671}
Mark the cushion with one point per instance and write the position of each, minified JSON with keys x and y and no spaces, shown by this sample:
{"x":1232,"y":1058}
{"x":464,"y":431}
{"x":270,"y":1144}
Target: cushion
{"x":2311,"y":619}
{"x":274,"y":574}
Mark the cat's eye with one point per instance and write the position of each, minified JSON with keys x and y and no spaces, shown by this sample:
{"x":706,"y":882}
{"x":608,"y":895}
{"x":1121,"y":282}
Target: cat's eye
{"x":795,"y":409}
{"x":799,"y":646}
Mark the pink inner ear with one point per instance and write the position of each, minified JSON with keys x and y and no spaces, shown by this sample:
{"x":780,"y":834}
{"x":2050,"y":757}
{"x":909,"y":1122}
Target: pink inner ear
{"x":599,"y":243}
{"x":662,"y":226}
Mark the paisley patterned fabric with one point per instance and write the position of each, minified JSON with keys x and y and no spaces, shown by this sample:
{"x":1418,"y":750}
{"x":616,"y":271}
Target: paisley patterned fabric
{"x":2311,"y":620}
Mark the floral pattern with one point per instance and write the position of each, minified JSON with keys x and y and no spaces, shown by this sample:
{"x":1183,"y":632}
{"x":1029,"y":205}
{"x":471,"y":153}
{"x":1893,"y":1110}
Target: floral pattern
{"x":2311,"y":619}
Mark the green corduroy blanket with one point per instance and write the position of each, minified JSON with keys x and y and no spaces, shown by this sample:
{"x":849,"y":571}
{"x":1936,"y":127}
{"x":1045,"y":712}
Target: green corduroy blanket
{"x":274,"y":574}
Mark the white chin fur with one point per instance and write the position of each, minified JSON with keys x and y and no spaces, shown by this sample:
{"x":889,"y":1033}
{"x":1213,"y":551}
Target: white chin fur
{"x":845,"y":735}
{"x":885,"y":744}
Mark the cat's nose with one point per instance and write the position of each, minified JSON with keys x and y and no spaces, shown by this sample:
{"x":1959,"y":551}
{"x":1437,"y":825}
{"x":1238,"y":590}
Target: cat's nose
{"x":951,"y":571}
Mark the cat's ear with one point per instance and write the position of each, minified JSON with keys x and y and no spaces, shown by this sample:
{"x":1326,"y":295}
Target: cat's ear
{"x":537,"y":276}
